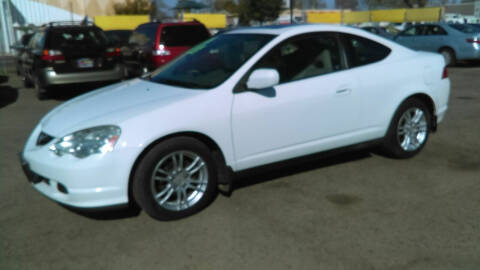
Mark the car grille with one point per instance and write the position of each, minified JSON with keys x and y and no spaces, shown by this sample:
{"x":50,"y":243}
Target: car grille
{"x":44,"y":138}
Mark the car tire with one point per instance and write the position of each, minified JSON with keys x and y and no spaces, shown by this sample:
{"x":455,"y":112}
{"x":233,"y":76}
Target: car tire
{"x":409,"y":130}
{"x":41,"y":91}
{"x":175,"y":178}
{"x":449,"y":56}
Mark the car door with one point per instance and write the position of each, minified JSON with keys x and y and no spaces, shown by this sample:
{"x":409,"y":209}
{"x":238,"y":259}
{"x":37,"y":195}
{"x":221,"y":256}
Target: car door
{"x":313,"y":108}
{"x":410,"y":37}
{"x":376,"y":81}
{"x":433,"y":38}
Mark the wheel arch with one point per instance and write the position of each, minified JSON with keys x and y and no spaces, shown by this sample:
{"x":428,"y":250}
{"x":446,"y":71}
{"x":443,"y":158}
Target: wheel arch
{"x":428,"y":101}
{"x":209,"y":142}
{"x":450,"y":48}
{"x":446,"y":47}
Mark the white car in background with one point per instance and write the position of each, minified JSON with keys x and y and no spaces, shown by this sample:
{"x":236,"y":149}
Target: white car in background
{"x":241,"y":99}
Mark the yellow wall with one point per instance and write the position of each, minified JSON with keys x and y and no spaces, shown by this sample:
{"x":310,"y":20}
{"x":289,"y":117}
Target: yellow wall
{"x":356,"y":16}
{"x":324,"y":17}
{"x":209,"y":19}
{"x":119,"y":22}
{"x":423,"y":14}
{"x":388,"y":15}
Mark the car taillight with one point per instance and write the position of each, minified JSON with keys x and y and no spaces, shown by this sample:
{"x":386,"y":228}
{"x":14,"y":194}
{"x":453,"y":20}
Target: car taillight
{"x":445,"y":73}
{"x":161,"y":51}
{"x":473,"y":40}
{"x":112,"y":52}
{"x":52,"y":55}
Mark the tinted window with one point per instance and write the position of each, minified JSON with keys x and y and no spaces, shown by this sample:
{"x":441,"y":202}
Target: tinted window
{"x":466,"y":28}
{"x":361,"y":51}
{"x":118,"y":37}
{"x":210,"y":63}
{"x":144,"y":35}
{"x":435,"y":30}
{"x":63,"y":38}
{"x":414,"y":31}
{"x":26,"y":39}
{"x":183,"y":35}
{"x":304,"y":57}
{"x":37,"y":41}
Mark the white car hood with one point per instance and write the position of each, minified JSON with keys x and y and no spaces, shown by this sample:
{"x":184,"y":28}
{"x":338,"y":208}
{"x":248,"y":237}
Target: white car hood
{"x":110,"y":104}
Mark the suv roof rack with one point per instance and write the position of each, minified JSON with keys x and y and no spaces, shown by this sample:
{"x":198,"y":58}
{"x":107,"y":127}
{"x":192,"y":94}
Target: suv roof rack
{"x":70,"y":23}
{"x":171,"y":20}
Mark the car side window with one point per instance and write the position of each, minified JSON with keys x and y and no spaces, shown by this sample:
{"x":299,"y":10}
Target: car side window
{"x":303,"y":57}
{"x":435,"y":30}
{"x":361,"y":51}
{"x":144,"y":35}
{"x":37,"y":41}
{"x":412,"y":31}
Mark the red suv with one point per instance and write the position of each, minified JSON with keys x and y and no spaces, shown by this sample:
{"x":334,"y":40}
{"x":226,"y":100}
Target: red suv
{"x":155,"y":44}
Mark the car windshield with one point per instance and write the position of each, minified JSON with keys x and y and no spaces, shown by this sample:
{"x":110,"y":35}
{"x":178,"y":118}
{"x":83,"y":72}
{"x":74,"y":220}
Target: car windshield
{"x":466,"y":28}
{"x":210,"y":63}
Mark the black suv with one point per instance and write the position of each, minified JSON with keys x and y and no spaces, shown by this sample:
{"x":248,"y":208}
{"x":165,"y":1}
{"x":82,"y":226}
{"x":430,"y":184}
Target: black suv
{"x":69,"y":53}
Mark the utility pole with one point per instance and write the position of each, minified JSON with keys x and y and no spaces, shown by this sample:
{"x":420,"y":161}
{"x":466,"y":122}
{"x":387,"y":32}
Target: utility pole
{"x":71,"y":11}
{"x":291,"y":11}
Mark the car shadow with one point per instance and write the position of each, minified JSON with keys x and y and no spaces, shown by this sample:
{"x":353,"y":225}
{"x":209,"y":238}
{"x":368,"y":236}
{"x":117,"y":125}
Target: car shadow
{"x":282,"y":169}
{"x":244,"y":179}
{"x":8,"y":94}
{"x":467,"y":64}
{"x":111,"y":213}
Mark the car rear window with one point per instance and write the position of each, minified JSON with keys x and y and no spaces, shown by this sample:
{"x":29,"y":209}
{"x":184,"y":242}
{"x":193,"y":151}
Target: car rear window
{"x":75,"y":37}
{"x":144,"y":34}
{"x":466,"y":28}
{"x":183,"y":35}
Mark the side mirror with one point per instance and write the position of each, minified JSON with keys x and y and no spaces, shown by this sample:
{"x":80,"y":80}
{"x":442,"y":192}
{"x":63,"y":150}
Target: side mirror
{"x":263,"y":78}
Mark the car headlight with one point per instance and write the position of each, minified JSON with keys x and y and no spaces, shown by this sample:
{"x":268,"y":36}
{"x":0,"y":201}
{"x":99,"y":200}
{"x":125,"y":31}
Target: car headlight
{"x":86,"y":142}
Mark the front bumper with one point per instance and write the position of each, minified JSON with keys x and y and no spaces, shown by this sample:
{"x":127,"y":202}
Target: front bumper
{"x":50,"y":77}
{"x":94,"y":182}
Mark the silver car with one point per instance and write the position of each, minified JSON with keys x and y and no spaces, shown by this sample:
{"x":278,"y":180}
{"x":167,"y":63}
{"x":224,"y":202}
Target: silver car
{"x":453,"y":41}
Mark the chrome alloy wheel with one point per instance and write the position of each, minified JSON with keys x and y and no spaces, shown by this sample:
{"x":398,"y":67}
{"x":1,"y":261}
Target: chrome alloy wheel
{"x":179,"y":180}
{"x":412,"y":129}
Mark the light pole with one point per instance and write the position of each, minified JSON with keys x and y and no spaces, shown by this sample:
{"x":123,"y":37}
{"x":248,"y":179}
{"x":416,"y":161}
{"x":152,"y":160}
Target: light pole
{"x":291,"y":11}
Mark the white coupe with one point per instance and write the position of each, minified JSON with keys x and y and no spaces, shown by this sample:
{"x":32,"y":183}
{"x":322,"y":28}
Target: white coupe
{"x":242,"y":99}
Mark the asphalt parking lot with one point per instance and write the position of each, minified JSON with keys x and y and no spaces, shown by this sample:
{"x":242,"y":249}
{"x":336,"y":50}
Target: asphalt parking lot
{"x":356,"y":211}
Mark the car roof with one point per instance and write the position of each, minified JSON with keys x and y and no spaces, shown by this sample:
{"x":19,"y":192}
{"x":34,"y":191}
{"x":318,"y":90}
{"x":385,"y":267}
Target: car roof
{"x":285,"y":31}
{"x":194,"y":22}
{"x":291,"y":28}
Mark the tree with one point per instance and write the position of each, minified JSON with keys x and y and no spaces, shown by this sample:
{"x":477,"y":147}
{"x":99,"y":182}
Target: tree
{"x":227,"y":5}
{"x":258,"y":10}
{"x":396,"y":3}
{"x":134,"y":7}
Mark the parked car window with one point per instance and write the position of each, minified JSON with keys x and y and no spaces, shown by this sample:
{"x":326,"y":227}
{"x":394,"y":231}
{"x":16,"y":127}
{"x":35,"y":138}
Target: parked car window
{"x":414,"y":31}
{"x":118,"y":37}
{"x":435,"y":30}
{"x":75,"y":37}
{"x":466,"y":28}
{"x":144,"y":34}
{"x":361,"y":51}
{"x":38,"y":41}
{"x":304,"y":57}
{"x":183,"y":35}
{"x":210,"y":63}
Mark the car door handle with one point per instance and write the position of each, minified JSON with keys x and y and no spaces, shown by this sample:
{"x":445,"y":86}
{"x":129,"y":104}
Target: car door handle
{"x":344,"y":91}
